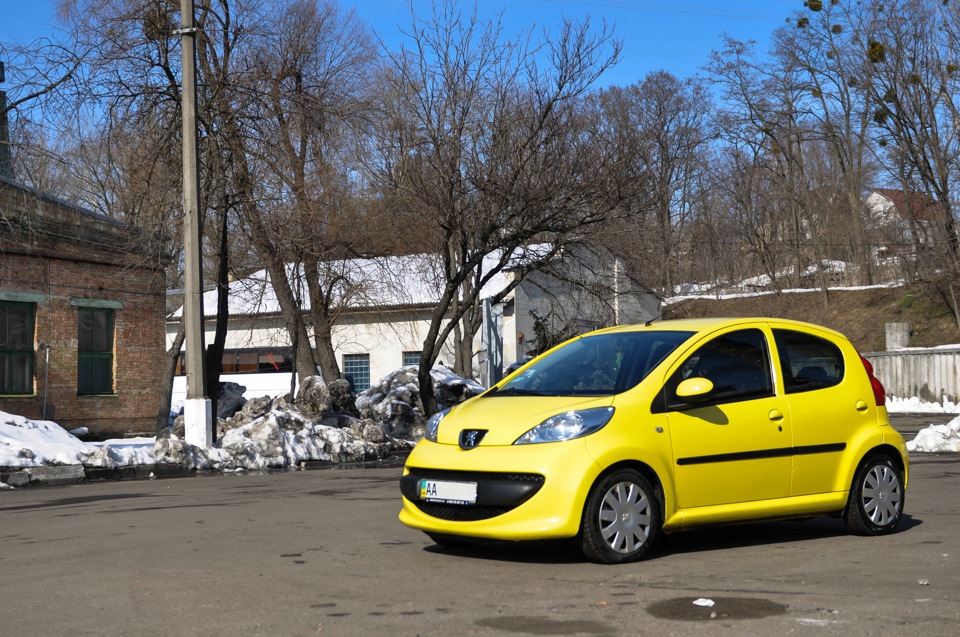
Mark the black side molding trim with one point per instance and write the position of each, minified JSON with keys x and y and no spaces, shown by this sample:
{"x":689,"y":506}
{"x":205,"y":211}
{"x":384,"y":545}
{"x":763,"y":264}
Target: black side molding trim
{"x":761,"y":454}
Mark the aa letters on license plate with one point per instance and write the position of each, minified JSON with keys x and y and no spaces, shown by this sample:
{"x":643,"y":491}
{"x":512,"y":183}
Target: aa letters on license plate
{"x":448,"y":492}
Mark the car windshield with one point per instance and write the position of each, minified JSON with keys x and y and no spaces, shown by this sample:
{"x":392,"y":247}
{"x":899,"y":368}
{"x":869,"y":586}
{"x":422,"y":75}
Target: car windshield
{"x":598,"y":365}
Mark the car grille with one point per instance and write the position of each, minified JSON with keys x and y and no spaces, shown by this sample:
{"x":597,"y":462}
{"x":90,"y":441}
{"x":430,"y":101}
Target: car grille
{"x":480,"y":511}
{"x":459,"y":512}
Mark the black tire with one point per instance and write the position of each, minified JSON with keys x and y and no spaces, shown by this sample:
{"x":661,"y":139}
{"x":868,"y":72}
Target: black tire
{"x":621,"y":518}
{"x":876,"y":500}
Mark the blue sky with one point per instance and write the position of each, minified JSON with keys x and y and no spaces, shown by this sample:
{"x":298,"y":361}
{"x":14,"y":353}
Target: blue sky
{"x":676,"y":35}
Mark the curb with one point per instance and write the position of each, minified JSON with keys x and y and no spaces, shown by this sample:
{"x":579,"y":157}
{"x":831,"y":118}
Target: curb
{"x":17,"y":477}
{"x":77,"y":474}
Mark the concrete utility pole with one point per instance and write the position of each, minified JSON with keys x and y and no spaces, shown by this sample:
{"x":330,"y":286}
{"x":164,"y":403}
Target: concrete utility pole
{"x":197,"y":414}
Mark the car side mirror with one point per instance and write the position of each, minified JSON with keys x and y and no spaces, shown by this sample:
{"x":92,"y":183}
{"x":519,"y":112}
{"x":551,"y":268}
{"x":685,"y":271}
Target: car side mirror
{"x":694,"y":390}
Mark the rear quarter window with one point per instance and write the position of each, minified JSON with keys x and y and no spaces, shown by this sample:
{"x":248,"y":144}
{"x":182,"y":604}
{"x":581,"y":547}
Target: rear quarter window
{"x":808,"y":362}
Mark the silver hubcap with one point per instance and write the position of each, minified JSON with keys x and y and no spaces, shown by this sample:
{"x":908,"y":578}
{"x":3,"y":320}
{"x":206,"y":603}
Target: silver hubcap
{"x":881,"y":495}
{"x":624,"y":517}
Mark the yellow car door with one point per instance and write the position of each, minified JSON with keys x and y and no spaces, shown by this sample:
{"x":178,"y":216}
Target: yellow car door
{"x":732,"y":443}
{"x":827,"y":406}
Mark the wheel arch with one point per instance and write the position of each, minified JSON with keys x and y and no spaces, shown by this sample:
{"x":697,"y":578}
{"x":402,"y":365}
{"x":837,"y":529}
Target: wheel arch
{"x":885,"y":512}
{"x":643,"y":469}
{"x":884,"y":449}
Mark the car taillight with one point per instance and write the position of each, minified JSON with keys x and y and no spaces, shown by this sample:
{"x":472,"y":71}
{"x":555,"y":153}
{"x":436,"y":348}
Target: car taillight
{"x":879,"y":393}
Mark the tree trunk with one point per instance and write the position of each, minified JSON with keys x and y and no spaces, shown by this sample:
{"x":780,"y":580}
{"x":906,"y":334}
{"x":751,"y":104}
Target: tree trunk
{"x":322,"y":323}
{"x":215,"y":349}
{"x":166,"y":390}
{"x":305,"y":364}
{"x":326,"y":357}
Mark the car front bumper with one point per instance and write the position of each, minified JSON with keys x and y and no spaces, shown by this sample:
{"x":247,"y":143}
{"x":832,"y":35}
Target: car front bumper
{"x":524,"y":492}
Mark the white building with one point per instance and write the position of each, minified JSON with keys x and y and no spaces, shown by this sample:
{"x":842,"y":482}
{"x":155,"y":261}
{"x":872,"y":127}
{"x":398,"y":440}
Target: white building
{"x":387,"y":304}
{"x":901,"y":221}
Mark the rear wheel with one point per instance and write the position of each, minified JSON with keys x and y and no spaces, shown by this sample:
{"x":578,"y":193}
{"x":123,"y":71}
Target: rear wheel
{"x":876,"y":497}
{"x":621,"y":518}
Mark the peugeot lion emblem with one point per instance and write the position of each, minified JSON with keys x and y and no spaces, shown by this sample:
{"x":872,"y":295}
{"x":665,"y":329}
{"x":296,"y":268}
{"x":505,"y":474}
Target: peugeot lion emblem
{"x":470,"y":438}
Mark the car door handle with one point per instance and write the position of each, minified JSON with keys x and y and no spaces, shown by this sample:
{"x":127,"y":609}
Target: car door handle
{"x":775,"y":415}
{"x":862,"y":406}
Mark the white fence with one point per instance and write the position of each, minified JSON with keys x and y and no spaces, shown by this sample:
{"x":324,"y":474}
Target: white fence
{"x":929,"y":374}
{"x":269,"y":384}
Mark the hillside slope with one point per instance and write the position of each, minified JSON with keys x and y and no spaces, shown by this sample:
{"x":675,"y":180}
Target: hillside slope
{"x":861,"y":314}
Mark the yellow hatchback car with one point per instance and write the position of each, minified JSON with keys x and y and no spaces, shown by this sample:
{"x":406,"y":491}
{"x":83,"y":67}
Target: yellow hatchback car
{"x":619,"y":434}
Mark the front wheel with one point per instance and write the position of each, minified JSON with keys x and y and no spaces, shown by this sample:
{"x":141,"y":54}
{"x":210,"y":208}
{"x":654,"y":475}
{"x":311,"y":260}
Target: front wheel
{"x":876,"y":497}
{"x":621,"y":518}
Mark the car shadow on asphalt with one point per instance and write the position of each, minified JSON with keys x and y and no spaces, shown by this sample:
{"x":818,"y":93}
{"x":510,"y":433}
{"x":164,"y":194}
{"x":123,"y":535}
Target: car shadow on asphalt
{"x":532,"y":552}
{"x":713,"y":538}
{"x":759,"y":534}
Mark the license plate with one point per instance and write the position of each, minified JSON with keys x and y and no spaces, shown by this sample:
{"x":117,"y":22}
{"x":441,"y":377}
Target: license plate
{"x":448,"y":492}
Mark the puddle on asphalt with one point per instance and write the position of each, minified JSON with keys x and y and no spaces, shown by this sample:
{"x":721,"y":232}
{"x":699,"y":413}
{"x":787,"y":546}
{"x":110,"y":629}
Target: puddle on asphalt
{"x":683,"y":608}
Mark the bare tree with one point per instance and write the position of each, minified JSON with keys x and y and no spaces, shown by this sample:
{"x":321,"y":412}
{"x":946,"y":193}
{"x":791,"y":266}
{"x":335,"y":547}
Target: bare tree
{"x":309,"y":97}
{"x":821,"y":51}
{"x":913,"y":50}
{"x":661,"y":126}
{"x":763,"y":118}
{"x":482,"y":136}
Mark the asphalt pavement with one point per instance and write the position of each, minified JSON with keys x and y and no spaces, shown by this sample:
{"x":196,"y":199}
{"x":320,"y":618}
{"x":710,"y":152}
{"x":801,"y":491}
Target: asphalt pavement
{"x":322,"y":552}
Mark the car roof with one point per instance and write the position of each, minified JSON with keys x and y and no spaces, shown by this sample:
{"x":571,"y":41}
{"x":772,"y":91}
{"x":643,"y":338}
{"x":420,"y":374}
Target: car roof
{"x":714,"y":323}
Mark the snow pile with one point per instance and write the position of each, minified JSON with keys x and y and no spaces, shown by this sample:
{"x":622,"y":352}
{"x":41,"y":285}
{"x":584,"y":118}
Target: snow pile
{"x":26,"y":443}
{"x":914,"y":405}
{"x":265,"y":433}
{"x":282,"y":438}
{"x":36,"y":443}
{"x":938,"y":438}
{"x":394,"y":401}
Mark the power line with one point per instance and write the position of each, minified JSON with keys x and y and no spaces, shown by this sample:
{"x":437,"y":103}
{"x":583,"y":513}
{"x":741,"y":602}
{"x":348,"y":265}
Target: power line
{"x":744,"y":14}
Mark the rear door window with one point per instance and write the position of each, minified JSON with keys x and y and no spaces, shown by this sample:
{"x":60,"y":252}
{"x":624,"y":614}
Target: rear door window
{"x":808,"y":362}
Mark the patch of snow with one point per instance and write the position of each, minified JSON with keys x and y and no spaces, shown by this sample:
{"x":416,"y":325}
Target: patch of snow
{"x":413,"y":279}
{"x":394,"y":400}
{"x":36,"y":443}
{"x":914,"y":405}
{"x":277,"y":435}
{"x":742,"y":295}
{"x":937,"y":438}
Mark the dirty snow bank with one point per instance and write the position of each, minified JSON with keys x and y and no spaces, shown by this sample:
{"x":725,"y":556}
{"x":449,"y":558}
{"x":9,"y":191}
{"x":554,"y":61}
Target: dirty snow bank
{"x":916,"y":406}
{"x":394,"y":401}
{"x":266,"y":432}
{"x":938,"y":438}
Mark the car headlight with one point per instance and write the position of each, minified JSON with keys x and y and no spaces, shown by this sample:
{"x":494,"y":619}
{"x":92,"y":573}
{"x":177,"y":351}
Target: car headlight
{"x":568,"y":425}
{"x":433,"y":425}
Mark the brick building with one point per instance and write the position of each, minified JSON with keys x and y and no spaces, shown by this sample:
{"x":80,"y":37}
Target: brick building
{"x":81,"y":316}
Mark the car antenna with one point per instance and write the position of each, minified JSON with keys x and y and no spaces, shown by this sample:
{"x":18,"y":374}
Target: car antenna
{"x":655,"y":318}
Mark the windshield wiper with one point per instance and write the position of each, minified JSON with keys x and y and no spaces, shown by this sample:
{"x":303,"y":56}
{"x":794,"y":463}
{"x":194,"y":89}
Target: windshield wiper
{"x":513,"y":391}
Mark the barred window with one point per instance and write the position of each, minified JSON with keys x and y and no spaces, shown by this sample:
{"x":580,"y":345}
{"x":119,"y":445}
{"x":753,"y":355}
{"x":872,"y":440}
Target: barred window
{"x":17,"y":357}
{"x":356,"y":369}
{"x":95,"y":351}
